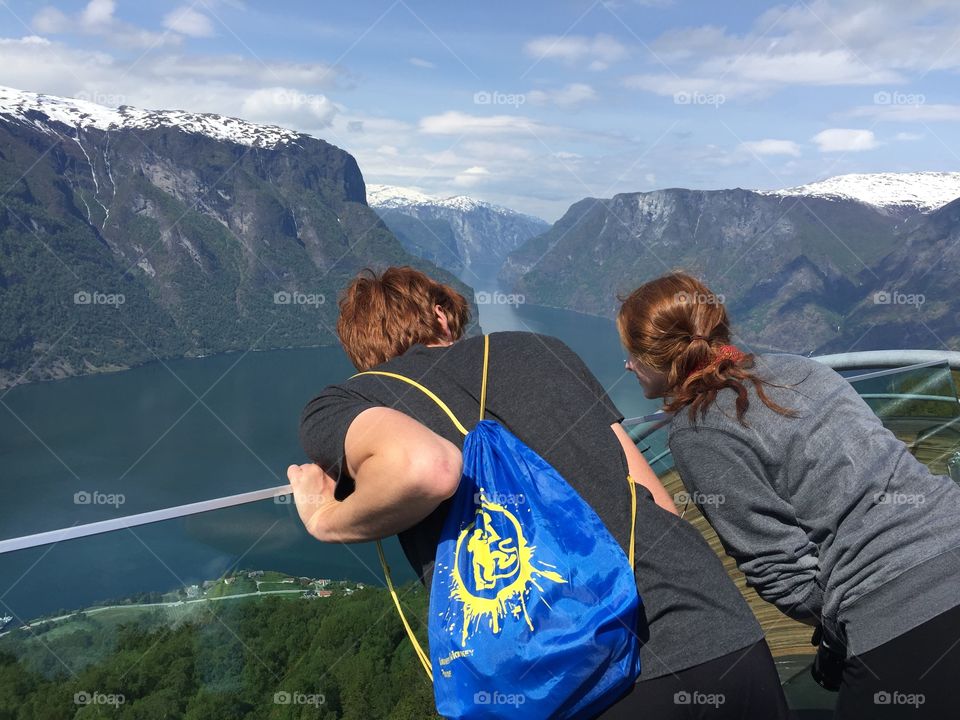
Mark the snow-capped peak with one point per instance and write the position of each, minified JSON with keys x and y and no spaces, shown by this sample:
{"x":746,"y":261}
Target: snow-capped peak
{"x":916,"y":191}
{"x":393,"y":197}
{"x":41,"y":110}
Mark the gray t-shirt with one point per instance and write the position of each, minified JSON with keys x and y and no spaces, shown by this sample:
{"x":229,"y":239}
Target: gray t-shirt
{"x":544,"y":394}
{"x":826,"y":513}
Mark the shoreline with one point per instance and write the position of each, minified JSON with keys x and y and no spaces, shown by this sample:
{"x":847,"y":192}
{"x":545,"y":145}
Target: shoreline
{"x":310,"y":588}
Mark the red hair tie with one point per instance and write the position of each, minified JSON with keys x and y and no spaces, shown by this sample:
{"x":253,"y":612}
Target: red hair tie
{"x":724,"y":352}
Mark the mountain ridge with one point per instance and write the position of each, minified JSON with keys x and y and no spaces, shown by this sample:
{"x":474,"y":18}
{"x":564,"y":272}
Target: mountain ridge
{"x":906,"y":192}
{"x":122,"y":245}
{"x":82,"y":114}
{"x":396,"y":197}
{"x":798,"y":272}
{"x":469,"y":237}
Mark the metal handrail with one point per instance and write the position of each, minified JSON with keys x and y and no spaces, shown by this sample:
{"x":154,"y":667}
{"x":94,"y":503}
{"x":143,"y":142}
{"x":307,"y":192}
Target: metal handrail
{"x":889,"y":358}
{"x":908,"y":396}
{"x":653,"y":417}
{"x":128,"y":521}
{"x":897,"y":370}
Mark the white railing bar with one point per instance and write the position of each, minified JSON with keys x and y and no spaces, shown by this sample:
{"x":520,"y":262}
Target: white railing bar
{"x":128,"y":521}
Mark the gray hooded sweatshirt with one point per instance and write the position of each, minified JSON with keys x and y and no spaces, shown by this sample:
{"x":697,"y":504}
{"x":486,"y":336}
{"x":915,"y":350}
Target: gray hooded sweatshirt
{"x":827,"y":514}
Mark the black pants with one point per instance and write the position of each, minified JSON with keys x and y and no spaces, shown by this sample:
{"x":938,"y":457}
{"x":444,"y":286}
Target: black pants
{"x":913,"y":676}
{"x":742,"y":685}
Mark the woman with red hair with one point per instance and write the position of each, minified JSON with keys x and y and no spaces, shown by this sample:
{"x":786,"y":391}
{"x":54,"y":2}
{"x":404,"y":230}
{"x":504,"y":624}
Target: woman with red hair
{"x":802,"y":472}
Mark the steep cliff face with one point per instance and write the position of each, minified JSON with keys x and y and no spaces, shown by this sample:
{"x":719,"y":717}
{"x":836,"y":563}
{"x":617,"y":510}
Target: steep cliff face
{"x":788,"y":267}
{"x":129,"y":235}
{"x":914,"y":292}
{"x":469,"y":237}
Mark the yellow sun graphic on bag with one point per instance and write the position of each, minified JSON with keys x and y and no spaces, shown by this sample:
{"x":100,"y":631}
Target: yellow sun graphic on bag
{"x":494,"y":570}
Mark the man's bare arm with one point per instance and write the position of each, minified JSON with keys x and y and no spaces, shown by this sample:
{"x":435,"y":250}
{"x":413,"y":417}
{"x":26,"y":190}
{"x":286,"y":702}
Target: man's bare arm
{"x":402,"y":471}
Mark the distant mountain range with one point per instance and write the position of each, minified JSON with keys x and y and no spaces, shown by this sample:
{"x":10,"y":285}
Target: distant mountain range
{"x":129,"y":235}
{"x":469,"y":237}
{"x":853,"y":262}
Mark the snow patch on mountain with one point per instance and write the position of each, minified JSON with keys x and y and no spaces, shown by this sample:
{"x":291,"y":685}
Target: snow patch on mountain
{"x":917,"y":191}
{"x":46,"y":112}
{"x":393,"y":197}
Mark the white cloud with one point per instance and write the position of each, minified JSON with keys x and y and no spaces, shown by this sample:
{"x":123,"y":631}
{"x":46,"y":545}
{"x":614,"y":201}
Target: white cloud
{"x":811,"y":67}
{"x":289,"y":107}
{"x":214,"y":83}
{"x":908,"y":136}
{"x":845,"y":140}
{"x":673,"y":85}
{"x":570,"y":96}
{"x":245,"y":70}
{"x":599,"y":51}
{"x":458,"y":123}
{"x":187,"y":21}
{"x":496,"y":148}
{"x":772,"y":147}
{"x":758,"y":73}
{"x":98,"y":13}
{"x":49,"y":20}
{"x":815,"y":43}
{"x":421,"y":63}
{"x":909,"y":113}
{"x":471,"y":176}
{"x":97,"y":18}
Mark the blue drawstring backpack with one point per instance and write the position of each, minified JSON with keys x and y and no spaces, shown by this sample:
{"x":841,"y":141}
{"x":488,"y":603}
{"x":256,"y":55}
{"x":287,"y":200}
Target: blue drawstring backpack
{"x":533,"y":604}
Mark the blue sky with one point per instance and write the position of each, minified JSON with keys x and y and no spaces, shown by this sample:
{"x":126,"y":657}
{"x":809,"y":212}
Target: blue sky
{"x":533,"y":105}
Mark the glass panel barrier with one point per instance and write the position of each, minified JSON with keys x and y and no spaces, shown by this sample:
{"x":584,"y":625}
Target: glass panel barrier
{"x":234,"y":613}
{"x":920,"y":406}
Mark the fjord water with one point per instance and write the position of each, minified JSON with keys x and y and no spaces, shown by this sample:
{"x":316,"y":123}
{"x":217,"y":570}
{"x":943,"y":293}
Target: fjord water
{"x":171,"y":433}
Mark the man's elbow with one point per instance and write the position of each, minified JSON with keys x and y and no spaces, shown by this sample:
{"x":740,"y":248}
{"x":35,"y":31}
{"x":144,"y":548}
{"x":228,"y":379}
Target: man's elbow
{"x":436,"y":472}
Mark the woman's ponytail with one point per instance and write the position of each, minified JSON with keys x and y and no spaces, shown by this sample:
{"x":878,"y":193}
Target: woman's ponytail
{"x":677,"y":326}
